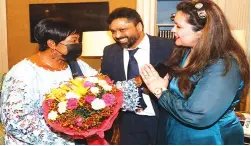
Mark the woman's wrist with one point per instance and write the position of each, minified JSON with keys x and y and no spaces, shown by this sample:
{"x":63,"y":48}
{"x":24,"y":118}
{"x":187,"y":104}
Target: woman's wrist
{"x":158,"y":91}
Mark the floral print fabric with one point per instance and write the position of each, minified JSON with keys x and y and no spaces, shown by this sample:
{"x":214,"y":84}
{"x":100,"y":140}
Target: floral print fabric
{"x":22,"y":95}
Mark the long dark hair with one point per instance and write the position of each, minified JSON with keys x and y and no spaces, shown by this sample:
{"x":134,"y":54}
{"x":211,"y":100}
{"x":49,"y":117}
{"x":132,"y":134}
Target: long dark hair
{"x":216,"y":42}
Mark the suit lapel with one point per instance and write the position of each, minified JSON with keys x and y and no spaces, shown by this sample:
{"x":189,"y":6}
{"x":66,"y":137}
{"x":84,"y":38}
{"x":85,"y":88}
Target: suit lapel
{"x":153,"y":60}
{"x":120,"y":65}
{"x":153,"y":51}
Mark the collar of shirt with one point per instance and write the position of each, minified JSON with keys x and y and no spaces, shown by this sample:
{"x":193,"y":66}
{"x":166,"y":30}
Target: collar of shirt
{"x":142,"y":55}
{"x":144,"y":44}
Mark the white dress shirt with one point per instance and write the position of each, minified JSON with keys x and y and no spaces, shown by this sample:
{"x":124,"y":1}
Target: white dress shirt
{"x":143,"y":57}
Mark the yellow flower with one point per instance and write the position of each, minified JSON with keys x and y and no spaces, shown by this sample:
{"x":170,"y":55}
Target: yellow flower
{"x":78,"y":82}
{"x":78,"y":88}
{"x":57,"y":94}
{"x":64,"y":87}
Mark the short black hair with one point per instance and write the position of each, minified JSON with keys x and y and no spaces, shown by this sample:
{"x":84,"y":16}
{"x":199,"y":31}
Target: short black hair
{"x":56,"y":29}
{"x":124,"y":12}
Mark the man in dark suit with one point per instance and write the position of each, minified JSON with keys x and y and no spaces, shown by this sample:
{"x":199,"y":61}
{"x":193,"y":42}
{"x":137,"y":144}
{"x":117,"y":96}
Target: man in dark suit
{"x":120,"y":64}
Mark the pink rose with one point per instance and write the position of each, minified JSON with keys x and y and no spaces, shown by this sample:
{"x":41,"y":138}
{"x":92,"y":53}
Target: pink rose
{"x":88,"y":84}
{"x":72,"y":103}
{"x":89,"y":99}
{"x":108,"y":99}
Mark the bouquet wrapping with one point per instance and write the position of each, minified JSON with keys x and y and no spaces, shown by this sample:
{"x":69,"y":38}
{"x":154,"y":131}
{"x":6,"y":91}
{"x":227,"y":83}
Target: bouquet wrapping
{"x":83,"y":107}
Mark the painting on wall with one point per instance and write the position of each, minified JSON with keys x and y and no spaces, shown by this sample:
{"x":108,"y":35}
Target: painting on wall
{"x":86,"y":16}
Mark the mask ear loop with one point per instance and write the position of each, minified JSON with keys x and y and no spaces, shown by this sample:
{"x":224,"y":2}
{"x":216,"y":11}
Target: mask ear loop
{"x":61,"y":52}
{"x":53,"y":54}
{"x":54,"y":51}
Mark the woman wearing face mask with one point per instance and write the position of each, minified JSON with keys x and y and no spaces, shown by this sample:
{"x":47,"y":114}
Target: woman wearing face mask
{"x":209,"y":74}
{"x":28,"y":81}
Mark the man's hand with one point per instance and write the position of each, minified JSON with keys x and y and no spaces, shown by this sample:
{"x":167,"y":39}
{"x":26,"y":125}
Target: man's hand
{"x":145,"y":90}
{"x":138,"y":81}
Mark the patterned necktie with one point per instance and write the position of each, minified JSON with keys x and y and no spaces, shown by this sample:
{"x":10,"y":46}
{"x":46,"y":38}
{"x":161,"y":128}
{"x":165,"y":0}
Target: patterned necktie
{"x":132,"y":72}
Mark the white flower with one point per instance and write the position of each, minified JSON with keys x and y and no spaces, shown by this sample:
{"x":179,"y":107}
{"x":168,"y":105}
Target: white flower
{"x":62,"y":107}
{"x":92,"y":79}
{"x":94,"y":90}
{"x":119,"y":85}
{"x":98,"y":104}
{"x":52,"y":115}
{"x":71,"y":95}
{"x":102,"y":82}
{"x":107,"y":87}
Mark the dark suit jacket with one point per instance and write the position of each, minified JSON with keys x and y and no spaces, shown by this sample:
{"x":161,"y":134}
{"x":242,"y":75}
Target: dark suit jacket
{"x":113,"y":65}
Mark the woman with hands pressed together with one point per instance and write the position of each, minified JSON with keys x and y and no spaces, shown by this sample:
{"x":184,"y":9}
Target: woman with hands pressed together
{"x":209,"y":74}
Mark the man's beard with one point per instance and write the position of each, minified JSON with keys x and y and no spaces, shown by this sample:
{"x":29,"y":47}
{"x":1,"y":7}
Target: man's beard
{"x":131,"y":41}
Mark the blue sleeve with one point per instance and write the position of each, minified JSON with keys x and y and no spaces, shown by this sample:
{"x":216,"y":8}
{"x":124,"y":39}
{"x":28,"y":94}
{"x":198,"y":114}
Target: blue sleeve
{"x":104,"y":63}
{"x":212,"y":96}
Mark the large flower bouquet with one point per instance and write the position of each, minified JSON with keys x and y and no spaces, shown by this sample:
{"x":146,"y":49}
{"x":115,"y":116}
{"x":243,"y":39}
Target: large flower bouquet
{"x":83,"y":107}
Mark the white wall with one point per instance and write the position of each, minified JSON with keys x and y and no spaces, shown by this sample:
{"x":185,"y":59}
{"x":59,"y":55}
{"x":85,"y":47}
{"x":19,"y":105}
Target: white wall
{"x":147,"y":11}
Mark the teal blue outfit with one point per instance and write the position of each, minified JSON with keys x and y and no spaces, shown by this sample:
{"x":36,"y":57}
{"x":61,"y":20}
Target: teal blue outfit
{"x":207,"y":117}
